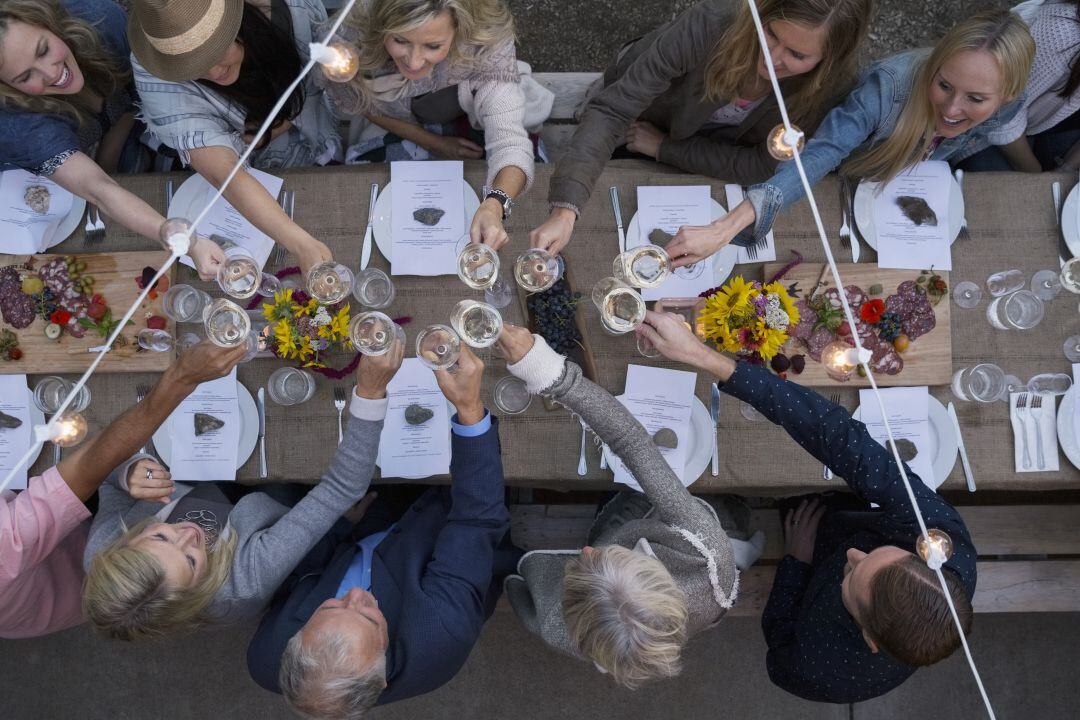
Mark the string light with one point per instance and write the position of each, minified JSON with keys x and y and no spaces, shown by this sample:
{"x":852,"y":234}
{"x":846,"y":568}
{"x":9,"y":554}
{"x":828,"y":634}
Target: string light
{"x":65,"y":430}
{"x":175,"y":234}
{"x":935,"y":548}
{"x":340,"y":60}
{"x":783,"y":141}
{"x":840,"y":360}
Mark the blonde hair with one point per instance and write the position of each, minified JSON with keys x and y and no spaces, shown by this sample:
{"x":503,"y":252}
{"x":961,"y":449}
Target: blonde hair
{"x":103,"y":73}
{"x":125,"y":595}
{"x":480,"y":26}
{"x":1001,"y":34}
{"x":624,"y":612}
{"x":735,"y":58}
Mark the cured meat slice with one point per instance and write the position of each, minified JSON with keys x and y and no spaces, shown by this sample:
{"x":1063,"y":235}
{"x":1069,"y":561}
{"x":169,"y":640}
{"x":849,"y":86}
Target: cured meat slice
{"x":807,"y":317}
{"x":919,"y":323}
{"x":886,"y":360}
{"x":817,"y":342}
{"x":855,"y":297}
{"x":17,"y":309}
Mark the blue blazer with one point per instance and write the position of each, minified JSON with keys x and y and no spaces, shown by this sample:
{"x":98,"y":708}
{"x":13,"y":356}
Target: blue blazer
{"x":434,"y":576}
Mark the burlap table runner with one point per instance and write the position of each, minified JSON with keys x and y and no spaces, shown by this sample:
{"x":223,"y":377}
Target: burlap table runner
{"x":1012,"y":226}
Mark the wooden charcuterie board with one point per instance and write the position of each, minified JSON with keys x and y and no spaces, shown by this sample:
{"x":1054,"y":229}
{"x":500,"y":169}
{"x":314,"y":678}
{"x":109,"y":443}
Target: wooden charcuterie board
{"x":114,"y":277}
{"x":927,"y":361}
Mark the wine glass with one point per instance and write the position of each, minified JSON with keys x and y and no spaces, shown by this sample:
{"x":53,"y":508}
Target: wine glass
{"x":1012,"y":384}
{"x":438,"y":347}
{"x":645,"y":266}
{"x":967,"y":294}
{"x":537,"y":270}
{"x":1072,"y":348}
{"x":226,"y":323}
{"x":374,"y":289}
{"x":329,"y":282}
{"x":184,"y":304}
{"x":373,"y":333}
{"x":478,"y":267}
{"x":1046,"y":284}
{"x":240,"y":276}
{"x":155,"y":340}
{"x":646,"y":349}
{"x":477,"y":323}
{"x":621,"y":307}
{"x":1005,"y":282}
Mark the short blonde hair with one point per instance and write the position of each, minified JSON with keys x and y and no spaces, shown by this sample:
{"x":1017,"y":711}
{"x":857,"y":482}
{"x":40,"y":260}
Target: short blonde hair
{"x":625,"y":612}
{"x":125,"y":595}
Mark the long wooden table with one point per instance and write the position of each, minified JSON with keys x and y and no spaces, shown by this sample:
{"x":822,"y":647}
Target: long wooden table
{"x":1012,"y":226}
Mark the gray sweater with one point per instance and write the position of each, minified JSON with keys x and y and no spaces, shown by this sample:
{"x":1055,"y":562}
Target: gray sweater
{"x":682,"y":532}
{"x":271,"y":538}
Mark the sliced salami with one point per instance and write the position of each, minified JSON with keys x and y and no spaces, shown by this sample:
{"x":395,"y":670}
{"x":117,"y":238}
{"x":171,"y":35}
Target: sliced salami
{"x":18,"y":310}
{"x":855,"y":297}
{"x":885,"y":359}
{"x":817,"y":342}
{"x":899,"y":305}
{"x":807,"y":317}
{"x":919,"y":324}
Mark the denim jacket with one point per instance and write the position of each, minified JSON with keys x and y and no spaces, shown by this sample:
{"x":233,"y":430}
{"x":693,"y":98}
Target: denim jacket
{"x":866,"y":118}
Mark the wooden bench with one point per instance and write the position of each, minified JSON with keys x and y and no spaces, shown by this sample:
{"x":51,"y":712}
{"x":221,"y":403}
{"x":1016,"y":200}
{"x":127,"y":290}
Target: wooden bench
{"x":1029,"y":555}
{"x":570,"y":89}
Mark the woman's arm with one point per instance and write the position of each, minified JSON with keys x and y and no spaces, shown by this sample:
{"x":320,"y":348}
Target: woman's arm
{"x":112,"y":145}
{"x":1020,"y":156}
{"x":449,"y":148}
{"x":487,"y":224}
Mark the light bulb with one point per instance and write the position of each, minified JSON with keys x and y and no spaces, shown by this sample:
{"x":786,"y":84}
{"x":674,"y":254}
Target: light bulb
{"x":936,"y":550}
{"x":68,"y":429}
{"x":839,"y":360}
{"x":175,"y":234}
{"x":782,"y":142}
{"x":340,"y":60}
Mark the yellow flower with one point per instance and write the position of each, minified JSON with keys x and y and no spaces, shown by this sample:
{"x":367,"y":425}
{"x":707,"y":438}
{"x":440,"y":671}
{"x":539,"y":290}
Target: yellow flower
{"x":308,"y":308}
{"x":286,"y":344}
{"x":339,"y":325}
{"x":281,"y":307}
{"x":786,"y":301}
{"x":771,"y":340}
{"x":305,"y":348}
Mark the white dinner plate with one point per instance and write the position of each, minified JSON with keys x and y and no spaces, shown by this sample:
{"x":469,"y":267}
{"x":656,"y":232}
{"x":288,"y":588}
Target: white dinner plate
{"x":864,"y":210}
{"x":699,"y":454}
{"x":1065,"y":429}
{"x":723,"y":261}
{"x":190,"y":191}
{"x":1069,"y":229}
{"x":943,"y":444}
{"x":378,"y":458}
{"x":249,"y":431}
{"x":55,"y":234}
{"x":382,"y":229}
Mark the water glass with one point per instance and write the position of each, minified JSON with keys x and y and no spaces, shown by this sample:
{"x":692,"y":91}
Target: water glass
{"x":330,"y":282}
{"x":1021,"y":310}
{"x":1070,"y":275}
{"x":477,"y":323}
{"x":621,"y":307}
{"x":982,"y":383}
{"x":1049,"y":384}
{"x":645,"y":266}
{"x":155,"y":340}
{"x":374,"y":289}
{"x":438,"y":347}
{"x":1072,"y":348}
{"x":373,"y":333}
{"x":537,"y":270}
{"x":1046,"y":284}
{"x":290,"y":386}
{"x":512,"y":396}
{"x":184,"y":304}
{"x":647,"y":349}
{"x":51,"y":391}
{"x":1005,"y":282}
{"x":967,"y":294}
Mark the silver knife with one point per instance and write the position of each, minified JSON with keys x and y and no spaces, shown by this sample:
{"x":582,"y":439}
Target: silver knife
{"x":1064,"y":254}
{"x":714,"y":410}
{"x":963,"y":450}
{"x":856,"y":235}
{"x":261,"y":404}
{"x":618,"y":218}
{"x":365,"y":251}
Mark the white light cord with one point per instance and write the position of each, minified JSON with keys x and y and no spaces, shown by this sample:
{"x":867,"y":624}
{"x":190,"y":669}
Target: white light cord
{"x":858,"y":343}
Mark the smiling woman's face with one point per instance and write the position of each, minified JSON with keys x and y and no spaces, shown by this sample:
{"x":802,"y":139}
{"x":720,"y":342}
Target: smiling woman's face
{"x":180,"y":548}
{"x":417,"y":52}
{"x":227,"y":70}
{"x":37,"y":62}
{"x":965,"y":92}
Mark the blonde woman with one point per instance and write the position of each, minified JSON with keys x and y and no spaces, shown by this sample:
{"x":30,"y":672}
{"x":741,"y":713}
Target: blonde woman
{"x":917,"y":105}
{"x":440,"y":78}
{"x":164,"y":558}
{"x":67,"y":107}
{"x":695,"y":93}
{"x":659,"y":567}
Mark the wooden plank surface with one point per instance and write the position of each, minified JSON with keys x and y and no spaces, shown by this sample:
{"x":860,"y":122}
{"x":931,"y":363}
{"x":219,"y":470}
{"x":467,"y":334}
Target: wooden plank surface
{"x":928,"y":361}
{"x":114,"y":278}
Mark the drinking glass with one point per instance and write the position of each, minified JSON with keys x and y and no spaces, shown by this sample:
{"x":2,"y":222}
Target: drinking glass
{"x":1005,"y":282}
{"x":621,"y":307}
{"x":51,"y":391}
{"x":1021,"y":310}
{"x":967,"y":294}
{"x":477,"y":323}
{"x":645,"y":266}
{"x":1072,"y":348}
{"x":478,"y":267}
{"x":373,"y":333}
{"x":184,"y":303}
{"x":537,"y":270}
{"x":646,"y":348}
{"x":1050,"y":384}
{"x":749,"y":412}
{"x":329,"y":282}
{"x":155,"y":340}
{"x":240,"y":276}
{"x":1046,"y":284}
{"x":374,"y":289}
{"x":983,"y":383}
{"x":438,"y":347}
{"x":1070,"y":275}
{"x":226,"y":323}
{"x":290,"y":386}
{"x":512,"y":396}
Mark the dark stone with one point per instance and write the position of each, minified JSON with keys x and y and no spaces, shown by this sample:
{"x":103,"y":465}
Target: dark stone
{"x":916,"y":210}
{"x":666,"y":438}
{"x":428,"y":216}
{"x":906,"y":449}
{"x":418,"y":414}
{"x":207,"y":423}
{"x":660,"y":238}
{"x":9,"y":422}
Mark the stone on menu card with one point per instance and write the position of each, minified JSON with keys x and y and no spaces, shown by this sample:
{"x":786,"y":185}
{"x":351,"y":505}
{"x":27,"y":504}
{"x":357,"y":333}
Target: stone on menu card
{"x":428,"y":216}
{"x":906,"y":449}
{"x":666,"y":438}
{"x":207,"y":423}
{"x":660,"y":238}
{"x":916,"y":210}
{"x":418,"y":414}
{"x":9,"y":422}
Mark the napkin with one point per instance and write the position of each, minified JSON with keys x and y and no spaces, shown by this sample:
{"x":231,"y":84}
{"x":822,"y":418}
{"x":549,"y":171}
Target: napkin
{"x":735,"y":196}
{"x":1046,"y":417}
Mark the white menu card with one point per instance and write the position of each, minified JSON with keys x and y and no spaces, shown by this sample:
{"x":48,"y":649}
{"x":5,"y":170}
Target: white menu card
{"x":31,"y":207}
{"x":668,"y":208}
{"x":431,"y":247}
{"x":415,"y":451}
{"x":211,"y":455}
{"x":659,"y":398}
{"x":911,"y":218}
{"x":227,"y":223}
{"x":909,"y":418}
{"x":14,"y":442}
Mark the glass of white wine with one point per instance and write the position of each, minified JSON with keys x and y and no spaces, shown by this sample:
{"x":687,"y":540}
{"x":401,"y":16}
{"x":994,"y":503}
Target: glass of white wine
{"x":621,"y":307}
{"x":227,"y":324}
{"x":438,"y":347}
{"x":240,"y":277}
{"x":330,"y":282}
{"x":645,"y":266}
{"x":374,"y":289}
{"x":373,"y":333}
{"x":477,"y":323}
{"x":537,"y":270}
{"x":478,"y":267}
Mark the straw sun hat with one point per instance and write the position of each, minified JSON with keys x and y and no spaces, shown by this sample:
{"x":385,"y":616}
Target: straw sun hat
{"x":181,"y":40}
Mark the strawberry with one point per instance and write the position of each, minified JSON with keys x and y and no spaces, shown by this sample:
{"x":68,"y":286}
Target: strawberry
{"x":15,"y":354}
{"x":98,"y":299}
{"x":843,"y":328}
{"x":96,"y":311}
{"x":155,"y":322}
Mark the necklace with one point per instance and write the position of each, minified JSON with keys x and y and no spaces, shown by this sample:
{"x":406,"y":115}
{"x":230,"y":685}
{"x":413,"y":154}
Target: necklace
{"x":207,"y":521}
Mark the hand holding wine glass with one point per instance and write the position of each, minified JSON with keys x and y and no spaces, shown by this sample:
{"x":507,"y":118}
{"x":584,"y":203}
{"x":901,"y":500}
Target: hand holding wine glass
{"x":204,"y":362}
{"x":669,"y":333}
{"x":375,"y":372}
{"x":462,"y":386}
{"x":515,"y":342}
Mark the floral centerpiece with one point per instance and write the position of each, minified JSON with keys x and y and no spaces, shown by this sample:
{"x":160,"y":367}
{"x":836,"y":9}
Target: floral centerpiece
{"x":303,"y":330}
{"x":750,"y":319}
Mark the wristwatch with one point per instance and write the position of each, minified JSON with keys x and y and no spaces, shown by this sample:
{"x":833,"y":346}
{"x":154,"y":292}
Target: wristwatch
{"x":505,"y":200}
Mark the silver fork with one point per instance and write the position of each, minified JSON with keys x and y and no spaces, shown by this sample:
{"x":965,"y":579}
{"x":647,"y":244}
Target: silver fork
{"x":582,"y":463}
{"x":1021,"y":414}
{"x":834,"y":398}
{"x":99,"y":226}
{"x":89,"y":228}
{"x":1036,"y":404}
{"x":168,"y":196}
{"x":286,"y":206}
{"x":751,"y":251}
{"x":339,"y":404}
{"x":141,"y":391}
{"x":845,"y":229}
{"x":964,"y":234}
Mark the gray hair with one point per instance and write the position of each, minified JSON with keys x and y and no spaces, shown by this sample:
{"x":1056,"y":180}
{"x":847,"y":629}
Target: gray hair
{"x":320,"y":680}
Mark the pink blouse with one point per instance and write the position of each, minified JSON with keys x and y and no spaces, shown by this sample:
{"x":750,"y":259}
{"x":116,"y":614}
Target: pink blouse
{"x":43,"y":532}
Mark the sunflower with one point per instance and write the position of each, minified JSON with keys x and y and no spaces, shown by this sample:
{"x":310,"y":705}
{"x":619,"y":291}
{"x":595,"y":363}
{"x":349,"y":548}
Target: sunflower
{"x":769,"y":340}
{"x":732,"y":299}
{"x":306,"y":309}
{"x":282,"y":306}
{"x":283,"y":334}
{"x":339,"y":326}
